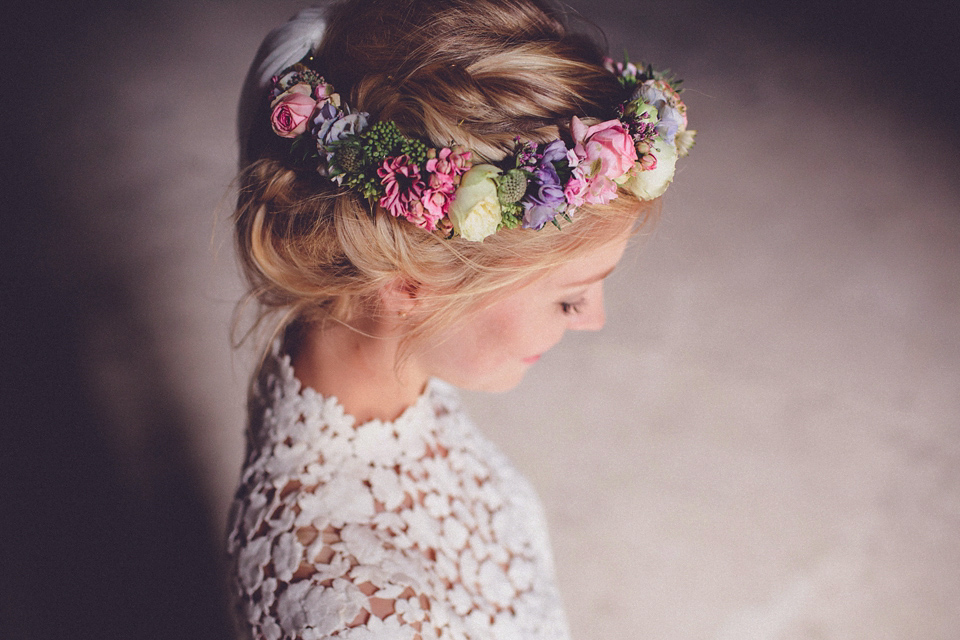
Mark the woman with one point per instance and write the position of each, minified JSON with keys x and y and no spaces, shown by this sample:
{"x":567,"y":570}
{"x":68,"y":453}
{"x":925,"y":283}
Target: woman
{"x":432,"y":193}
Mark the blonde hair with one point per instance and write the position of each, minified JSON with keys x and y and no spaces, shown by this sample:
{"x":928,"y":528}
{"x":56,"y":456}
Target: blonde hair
{"x":478,"y":73}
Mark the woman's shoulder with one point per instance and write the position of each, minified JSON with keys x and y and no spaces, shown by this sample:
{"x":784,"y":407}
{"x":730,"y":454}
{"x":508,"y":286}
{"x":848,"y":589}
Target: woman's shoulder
{"x":303,"y":577}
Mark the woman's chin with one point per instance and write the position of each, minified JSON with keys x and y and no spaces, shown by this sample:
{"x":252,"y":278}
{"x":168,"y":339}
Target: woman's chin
{"x":500,"y":383}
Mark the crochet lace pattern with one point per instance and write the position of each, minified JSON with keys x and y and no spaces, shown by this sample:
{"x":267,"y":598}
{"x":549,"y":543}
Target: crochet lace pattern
{"x":415,"y":529}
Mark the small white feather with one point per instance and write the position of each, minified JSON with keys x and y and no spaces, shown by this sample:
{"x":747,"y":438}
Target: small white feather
{"x":290,"y":42}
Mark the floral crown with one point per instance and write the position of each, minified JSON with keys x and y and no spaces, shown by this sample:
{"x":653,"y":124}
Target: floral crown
{"x":442,"y":190}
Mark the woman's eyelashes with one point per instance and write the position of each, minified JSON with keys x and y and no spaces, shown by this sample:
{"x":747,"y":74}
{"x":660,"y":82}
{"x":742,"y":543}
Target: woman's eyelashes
{"x":572,"y":308}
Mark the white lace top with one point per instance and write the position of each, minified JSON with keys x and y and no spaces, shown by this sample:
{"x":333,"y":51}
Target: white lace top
{"x":411,"y":529}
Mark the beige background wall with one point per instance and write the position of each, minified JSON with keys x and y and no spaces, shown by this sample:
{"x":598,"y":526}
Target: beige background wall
{"x":762,"y":444}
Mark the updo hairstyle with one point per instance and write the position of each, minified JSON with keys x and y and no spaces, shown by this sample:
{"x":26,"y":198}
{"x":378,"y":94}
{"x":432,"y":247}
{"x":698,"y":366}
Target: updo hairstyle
{"x":477,"y":73}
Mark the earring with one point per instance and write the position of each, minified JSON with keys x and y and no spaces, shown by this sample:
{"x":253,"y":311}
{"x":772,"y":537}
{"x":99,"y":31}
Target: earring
{"x":402,"y":314}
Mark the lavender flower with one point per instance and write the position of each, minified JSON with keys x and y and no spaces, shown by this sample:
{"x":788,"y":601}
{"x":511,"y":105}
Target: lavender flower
{"x":547,"y":199}
{"x":347,"y":125}
{"x":554,"y":152}
{"x":324,"y":115}
{"x":331,"y":126}
{"x":670,"y":123}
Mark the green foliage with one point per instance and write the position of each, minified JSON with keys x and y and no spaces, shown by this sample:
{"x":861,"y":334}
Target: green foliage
{"x":415,"y":150}
{"x":303,"y":150}
{"x":370,"y":187}
{"x":561,"y":215}
{"x":511,"y":216}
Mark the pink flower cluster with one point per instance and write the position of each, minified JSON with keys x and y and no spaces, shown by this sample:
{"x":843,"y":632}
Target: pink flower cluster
{"x":292,"y":108}
{"x":603,"y":153}
{"x":627,"y":69}
{"x":422,"y":202}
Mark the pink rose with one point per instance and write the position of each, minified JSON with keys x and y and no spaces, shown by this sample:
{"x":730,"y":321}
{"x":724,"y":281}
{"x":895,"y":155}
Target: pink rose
{"x":607,"y":149}
{"x":291,"y":114}
{"x":323,"y":91}
{"x":606,"y":152}
{"x":600,"y":191}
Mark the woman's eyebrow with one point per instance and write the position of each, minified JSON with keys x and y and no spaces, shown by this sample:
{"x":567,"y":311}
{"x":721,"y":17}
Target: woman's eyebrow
{"x":599,"y":276}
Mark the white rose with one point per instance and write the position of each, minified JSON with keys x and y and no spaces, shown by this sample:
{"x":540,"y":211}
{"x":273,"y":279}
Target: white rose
{"x":651,"y":183}
{"x":475,"y":211}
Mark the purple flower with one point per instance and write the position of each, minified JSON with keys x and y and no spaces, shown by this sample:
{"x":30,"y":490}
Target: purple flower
{"x":669,"y":124}
{"x":331,"y":126}
{"x":345,"y":126}
{"x":324,"y":117}
{"x":554,"y":152}
{"x":547,"y":198}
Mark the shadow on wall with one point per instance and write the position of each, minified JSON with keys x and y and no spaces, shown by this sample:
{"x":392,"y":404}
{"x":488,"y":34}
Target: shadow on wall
{"x":89,"y":548}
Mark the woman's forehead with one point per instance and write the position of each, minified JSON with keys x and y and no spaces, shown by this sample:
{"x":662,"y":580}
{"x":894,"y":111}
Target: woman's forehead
{"x":590,"y":267}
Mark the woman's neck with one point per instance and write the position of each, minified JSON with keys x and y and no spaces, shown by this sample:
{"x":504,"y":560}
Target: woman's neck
{"x":359,"y":369}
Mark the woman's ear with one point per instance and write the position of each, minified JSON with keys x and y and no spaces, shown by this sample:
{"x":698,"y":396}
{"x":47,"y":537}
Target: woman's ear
{"x":399,"y":297}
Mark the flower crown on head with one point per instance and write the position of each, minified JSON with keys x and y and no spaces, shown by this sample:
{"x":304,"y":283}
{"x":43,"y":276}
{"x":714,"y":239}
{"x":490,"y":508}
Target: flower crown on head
{"x":442,"y":190}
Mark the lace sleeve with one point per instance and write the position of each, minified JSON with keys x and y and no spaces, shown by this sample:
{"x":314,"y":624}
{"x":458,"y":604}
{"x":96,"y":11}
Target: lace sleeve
{"x":357,"y":574}
{"x":393,"y":563}
{"x":347,"y":581}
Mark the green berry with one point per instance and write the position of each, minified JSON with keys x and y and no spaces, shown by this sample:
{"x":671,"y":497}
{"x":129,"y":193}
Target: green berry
{"x":381,"y":140}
